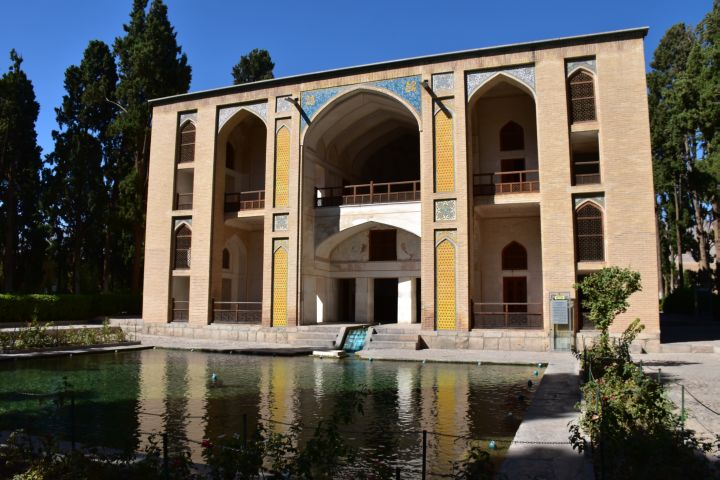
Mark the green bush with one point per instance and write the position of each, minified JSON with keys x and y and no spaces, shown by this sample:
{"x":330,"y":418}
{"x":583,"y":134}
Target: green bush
{"x":57,"y":308}
{"x":38,"y":336}
{"x":682,"y":300}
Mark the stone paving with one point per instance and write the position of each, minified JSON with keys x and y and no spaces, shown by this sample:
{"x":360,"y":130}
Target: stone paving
{"x":222,"y":346}
{"x":700,"y":373}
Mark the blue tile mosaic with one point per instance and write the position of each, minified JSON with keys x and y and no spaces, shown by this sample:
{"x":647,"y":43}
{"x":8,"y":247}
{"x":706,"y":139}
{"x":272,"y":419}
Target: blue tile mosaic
{"x":588,"y":63}
{"x":408,"y":88}
{"x":282,"y":104}
{"x":445,"y":210}
{"x":280,"y":222}
{"x":226,"y":113}
{"x":525,"y":74}
{"x":443,"y":81}
{"x":188,"y":116}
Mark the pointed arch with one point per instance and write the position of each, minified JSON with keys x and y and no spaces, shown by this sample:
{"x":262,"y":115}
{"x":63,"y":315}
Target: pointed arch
{"x":445,"y":285}
{"x":512,"y":137}
{"x":514,"y":257}
{"x":581,"y":96}
{"x":496,"y":78}
{"x":589,"y":232}
{"x":186,"y":142}
{"x":279,"y":287}
{"x":183,"y":244}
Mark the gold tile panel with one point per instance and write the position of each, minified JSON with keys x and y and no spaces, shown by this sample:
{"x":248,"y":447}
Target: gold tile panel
{"x":445,"y":285}
{"x":444,"y":161}
{"x":282,"y":167}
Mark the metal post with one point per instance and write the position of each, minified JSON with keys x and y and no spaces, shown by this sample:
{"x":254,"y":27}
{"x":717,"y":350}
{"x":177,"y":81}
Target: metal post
{"x":682,"y":405}
{"x":424,"y":453}
{"x":166,"y":463}
{"x":244,"y":429}
{"x":72,"y":420}
{"x":659,"y":372}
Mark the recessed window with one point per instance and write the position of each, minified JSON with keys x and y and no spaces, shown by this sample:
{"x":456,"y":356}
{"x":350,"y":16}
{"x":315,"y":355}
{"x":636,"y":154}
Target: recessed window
{"x":585,"y":158}
{"x":187,"y":143}
{"x":589,"y":235}
{"x":183,"y":242}
{"x":383,"y":245}
{"x":226,"y":259}
{"x":514,"y":257}
{"x":512,"y":137}
{"x":582,"y":97}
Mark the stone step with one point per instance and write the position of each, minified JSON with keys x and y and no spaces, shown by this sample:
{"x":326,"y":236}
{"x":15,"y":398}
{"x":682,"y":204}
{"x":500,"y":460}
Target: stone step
{"x":396,"y":345}
{"x":319,"y":328}
{"x":397,"y":330}
{"x":315,"y":343}
{"x":395,"y":337}
{"x":316,"y":335}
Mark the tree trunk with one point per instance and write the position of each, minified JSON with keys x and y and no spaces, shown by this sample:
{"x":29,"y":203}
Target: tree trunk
{"x":701,"y":234}
{"x":138,"y":234}
{"x":716,"y":229}
{"x":678,"y":238}
{"x":141,"y":163}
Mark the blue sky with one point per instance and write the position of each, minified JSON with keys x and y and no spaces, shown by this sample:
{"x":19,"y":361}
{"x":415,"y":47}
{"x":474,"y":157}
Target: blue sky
{"x":310,"y":35}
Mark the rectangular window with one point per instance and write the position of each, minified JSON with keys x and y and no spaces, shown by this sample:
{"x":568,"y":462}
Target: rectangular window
{"x":585,"y":158}
{"x":383,"y":245}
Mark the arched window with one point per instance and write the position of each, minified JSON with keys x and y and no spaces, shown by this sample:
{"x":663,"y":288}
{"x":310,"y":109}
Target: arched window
{"x":582,"y":97}
{"x":589,"y":234}
{"x":226,"y":259}
{"x":512,"y":137}
{"x":187,"y":143}
{"x":183,"y":240}
{"x":229,"y":156}
{"x":514,"y":257}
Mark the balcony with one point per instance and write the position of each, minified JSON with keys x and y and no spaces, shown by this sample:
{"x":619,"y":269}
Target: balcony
{"x":237,"y":312}
{"x":521,"y":316}
{"x":183,"y":201}
{"x":238,"y":202}
{"x":179,"y":310}
{"x":500,"y":183}
{"x":368,"y":194}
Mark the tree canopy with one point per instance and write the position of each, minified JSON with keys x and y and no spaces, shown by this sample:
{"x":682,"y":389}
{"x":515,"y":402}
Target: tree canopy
{"x":256,"y":65}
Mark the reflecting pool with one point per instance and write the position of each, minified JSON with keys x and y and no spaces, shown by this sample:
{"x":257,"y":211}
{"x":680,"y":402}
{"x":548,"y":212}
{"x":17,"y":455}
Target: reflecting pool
{"x":120,"y":396}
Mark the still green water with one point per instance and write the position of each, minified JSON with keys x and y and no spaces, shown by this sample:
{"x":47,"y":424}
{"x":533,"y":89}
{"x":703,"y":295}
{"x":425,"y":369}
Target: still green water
{"x":120,"y":396}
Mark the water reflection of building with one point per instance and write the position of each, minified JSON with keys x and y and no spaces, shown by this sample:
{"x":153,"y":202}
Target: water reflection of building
{"x":173,"y":391}
{"x":278,"y":398}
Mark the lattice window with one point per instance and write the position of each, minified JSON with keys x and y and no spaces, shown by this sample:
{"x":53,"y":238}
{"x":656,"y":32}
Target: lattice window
{"x":512,"y":137}
{"x":279,"y":288}
{"x":229,"y":156}
{"x":282,"y":167}
{"x":187,"y":143}
{"x":183,"y":241}
{"x":514,"y":257}
{"x":445,"y":285}
{"x":589,"y":237}
{"x":582,"y":97}
{"x":226,"y":259}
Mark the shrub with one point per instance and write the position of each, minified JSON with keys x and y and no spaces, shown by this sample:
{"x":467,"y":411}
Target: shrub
{"x":56,"y":308}
{"x":38,"y":336}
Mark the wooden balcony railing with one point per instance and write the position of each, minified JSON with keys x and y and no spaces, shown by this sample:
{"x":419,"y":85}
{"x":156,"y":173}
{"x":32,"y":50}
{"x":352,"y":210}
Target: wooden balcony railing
{"x":182,"y":258}
{"x":183,"y":201}
{"x":368,"y":193}
{"x":252,"y":200}
{"x":520,"y":181}
{"x":587,"y":178}
{"x":179,"y":310}
{"x":526,"y":316}
{"x":236,"y":312}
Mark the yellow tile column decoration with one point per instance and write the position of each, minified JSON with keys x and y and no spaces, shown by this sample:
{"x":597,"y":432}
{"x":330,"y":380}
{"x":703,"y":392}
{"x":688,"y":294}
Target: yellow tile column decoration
{"x":280,"y":282}
{"x":445,"y":280}
{"x":282,"y":167}
{"x":444,"y":157}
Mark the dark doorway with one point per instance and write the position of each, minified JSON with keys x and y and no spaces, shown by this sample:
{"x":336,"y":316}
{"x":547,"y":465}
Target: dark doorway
{"x":386,"y":300}
{"x":346,"y":294}
{"x":418,"y":296}
{"x":383,"y":245}
{"x":511,"y":165}
{"x":514,"y":292}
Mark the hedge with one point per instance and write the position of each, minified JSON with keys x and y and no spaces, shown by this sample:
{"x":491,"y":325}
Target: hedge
{"x":55,"y":308}
{"x":682,"y":300}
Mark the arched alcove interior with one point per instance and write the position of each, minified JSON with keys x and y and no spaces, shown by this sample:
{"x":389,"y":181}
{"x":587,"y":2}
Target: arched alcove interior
{"x":362,"y":137}
{"x":502,"y":129}
{"x":241,"y":151}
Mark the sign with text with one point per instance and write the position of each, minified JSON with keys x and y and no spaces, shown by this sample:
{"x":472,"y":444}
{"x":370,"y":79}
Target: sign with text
{"x":560,"y":308}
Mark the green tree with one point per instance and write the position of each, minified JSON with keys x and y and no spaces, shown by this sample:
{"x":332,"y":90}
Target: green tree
{"x":151,"y":65}
{"x":606,"y":293}
{"x":256,"y":65}
{"x":20,"y":165}
{"x":77,"y":182}
{"x":705,"y":68}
